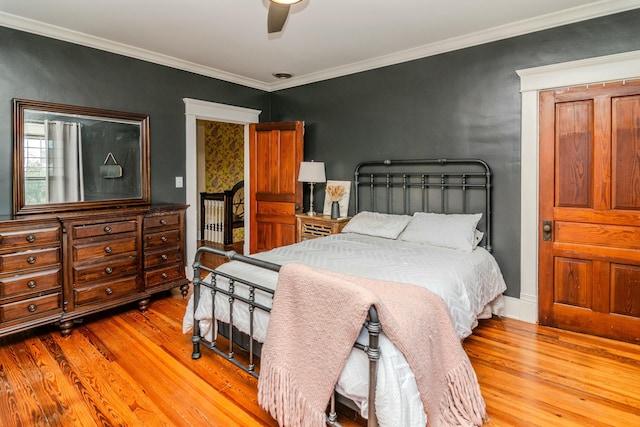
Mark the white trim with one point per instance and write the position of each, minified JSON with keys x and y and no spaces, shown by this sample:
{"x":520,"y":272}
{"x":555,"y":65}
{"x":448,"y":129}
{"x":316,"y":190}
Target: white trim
{"x":588,"y":71}
{"x":196,"y":109}
{"x":83,"y":39}
{"x":512,"y":307}
{"x":568,"y":16}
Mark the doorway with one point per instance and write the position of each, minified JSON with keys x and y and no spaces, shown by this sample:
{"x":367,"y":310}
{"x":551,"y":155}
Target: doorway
{"x":203,"y":110}
{"x":221,"y":169}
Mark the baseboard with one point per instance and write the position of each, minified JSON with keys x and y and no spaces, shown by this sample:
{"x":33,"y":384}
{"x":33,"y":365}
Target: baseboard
{"x":524,"y":308}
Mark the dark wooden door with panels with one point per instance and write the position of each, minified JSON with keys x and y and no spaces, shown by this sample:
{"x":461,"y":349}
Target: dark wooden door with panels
{"x":275,"y":152}
{"x":589,"y":189}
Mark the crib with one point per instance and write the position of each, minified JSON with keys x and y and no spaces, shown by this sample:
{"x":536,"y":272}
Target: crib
{"x":221,"y":213}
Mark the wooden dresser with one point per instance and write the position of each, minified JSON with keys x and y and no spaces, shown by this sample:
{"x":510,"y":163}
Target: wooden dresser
{"x":61,"y":267}
{"x":31,"y":279}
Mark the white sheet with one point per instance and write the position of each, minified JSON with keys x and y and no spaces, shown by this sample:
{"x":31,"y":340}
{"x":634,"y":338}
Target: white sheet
{"x":469,"y":282}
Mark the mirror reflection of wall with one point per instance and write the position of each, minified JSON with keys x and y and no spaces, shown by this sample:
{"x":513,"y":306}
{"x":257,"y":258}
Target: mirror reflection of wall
{"x":63,"y":155}
{"x":123,"y":141}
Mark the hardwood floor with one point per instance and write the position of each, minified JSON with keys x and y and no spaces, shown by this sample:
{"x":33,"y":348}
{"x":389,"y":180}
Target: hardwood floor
{"x":135,"y":369}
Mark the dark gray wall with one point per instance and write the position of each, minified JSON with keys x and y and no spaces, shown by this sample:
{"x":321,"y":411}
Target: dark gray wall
{"x":43,"y":69}
{"x":459,"y":104}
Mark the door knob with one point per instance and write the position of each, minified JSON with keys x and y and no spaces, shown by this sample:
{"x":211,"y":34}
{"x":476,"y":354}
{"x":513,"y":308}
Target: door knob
{"x":547,"y":230}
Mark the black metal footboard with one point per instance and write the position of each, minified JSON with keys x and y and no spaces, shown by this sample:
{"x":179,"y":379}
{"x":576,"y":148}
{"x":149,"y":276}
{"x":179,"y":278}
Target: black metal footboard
{"x":241,"y":290}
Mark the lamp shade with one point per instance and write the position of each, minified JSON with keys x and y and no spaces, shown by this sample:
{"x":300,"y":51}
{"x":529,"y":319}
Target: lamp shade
{"x":312,"y":172}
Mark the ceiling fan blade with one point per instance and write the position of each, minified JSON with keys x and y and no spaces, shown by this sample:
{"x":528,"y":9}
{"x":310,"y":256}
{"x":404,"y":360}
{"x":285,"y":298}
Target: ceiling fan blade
{"x":277,"y":17}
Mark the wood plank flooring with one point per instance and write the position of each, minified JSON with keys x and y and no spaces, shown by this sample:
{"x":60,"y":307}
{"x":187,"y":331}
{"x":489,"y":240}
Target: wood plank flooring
{"x":135,"y":369}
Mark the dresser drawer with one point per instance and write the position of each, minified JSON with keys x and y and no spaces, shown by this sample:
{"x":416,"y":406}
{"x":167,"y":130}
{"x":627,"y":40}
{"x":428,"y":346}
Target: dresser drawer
{"x":106,"y":248}
{"x":169,"y":256}
{"x":166,"y":220}
{"x":21,"y":238}
{"x":102,"y":271}
{"x":32,"y":307}
{"x":163,"y":275}
{"x":313,"y":230}
{"x":29,"y":283}
{"x":170,"y":237}
{"x":105,"y":291}
{"x":312,"y":227}
{"x":29,"y":259}
{"x":104,"y":229}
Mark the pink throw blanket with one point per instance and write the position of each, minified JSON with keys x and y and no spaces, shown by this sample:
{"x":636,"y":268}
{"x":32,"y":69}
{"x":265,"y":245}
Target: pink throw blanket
{"x":317,"y":316}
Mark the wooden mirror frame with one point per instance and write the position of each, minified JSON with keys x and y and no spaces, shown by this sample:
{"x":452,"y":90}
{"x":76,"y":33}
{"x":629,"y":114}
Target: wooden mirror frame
{"x":19,"y":205}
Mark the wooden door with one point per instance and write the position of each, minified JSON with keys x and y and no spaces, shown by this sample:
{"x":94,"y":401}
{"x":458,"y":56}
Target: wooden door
{"x":275,"y":153}
{"x":589,"y":242}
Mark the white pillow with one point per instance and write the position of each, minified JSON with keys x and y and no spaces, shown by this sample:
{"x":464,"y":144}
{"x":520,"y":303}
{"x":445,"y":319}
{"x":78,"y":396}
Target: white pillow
{"x":455,"y":231}
{"x":377,"y":224}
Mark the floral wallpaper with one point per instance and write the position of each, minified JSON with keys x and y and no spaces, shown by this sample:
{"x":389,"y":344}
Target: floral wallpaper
{"x":224,"y":159}
{"x":224,"y":155}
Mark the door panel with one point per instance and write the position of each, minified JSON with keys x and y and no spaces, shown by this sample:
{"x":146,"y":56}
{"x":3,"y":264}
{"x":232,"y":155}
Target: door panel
{"x":626,"y":151}
{"x":575,"y":154}
{"x":276,"y":150}
{"x":589,"y":256}
{"x":625,"y":290}
{"x":572,"y":277}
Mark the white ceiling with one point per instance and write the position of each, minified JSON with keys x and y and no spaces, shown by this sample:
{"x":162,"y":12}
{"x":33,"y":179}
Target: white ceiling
{"x":228,"y":40}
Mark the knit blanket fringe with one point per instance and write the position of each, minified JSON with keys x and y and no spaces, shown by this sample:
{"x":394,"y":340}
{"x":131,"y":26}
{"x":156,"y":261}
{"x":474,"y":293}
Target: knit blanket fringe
{"x":285,"y":402}
{"x":461,"y":404}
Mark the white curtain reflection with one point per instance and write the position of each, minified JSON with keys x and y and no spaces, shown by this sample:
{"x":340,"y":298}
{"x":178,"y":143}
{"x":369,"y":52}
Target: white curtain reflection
{"x":65,"y":182}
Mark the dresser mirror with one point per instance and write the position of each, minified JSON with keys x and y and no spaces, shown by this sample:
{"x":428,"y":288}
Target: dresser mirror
{"x":68,"y":158}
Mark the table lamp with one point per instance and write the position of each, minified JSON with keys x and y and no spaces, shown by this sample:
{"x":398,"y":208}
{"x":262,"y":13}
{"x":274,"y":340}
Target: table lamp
{"x":311,"y":172}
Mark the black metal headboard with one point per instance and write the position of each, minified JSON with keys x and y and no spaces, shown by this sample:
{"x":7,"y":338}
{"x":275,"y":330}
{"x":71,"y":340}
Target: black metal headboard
{"x":429,"y":185}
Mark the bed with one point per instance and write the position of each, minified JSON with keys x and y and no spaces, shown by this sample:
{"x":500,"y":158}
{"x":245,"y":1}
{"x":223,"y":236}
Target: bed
{"x":418,"y":222}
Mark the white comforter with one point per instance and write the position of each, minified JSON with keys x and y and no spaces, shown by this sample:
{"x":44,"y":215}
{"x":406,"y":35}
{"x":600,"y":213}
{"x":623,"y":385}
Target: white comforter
{"x":470,"y":283}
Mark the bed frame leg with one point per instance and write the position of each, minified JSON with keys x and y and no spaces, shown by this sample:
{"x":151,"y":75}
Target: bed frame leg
{"x":195,"y":354}
{"x":332,"y":418}
{"x":373,"y":351}
{"x":195,"y":337}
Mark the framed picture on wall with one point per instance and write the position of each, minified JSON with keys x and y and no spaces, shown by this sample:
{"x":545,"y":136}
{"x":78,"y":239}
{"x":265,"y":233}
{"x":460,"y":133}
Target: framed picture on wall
{"x":344,"y":200}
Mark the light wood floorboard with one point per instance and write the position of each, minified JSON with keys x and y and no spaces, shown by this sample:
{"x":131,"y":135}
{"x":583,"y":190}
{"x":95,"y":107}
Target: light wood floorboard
{"x":135,"y":369}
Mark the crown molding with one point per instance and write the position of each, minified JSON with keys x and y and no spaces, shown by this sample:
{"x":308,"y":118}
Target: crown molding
{"x":577,"y":14}
{"x":569,"y":16}
{"x":59,"y":33}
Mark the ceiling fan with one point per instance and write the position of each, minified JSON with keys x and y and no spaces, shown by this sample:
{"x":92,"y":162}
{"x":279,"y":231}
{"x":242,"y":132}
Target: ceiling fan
{"x":278,"y":14}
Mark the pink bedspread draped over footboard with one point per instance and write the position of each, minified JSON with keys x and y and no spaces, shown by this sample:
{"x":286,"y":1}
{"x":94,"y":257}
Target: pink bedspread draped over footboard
{"x":304,"y":354}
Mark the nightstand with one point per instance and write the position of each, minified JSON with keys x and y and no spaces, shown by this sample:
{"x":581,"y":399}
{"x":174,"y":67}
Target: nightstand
{"x":312,"y":227}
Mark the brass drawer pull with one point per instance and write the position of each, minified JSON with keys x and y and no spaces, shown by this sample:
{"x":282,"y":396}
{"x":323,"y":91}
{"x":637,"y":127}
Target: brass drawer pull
{"x":31,"y":284}
{"x":108,"y":270}
{"x":32,"y":308}
{"x":165,"y":276}
{"x":163,"y":238}
{"x":108,"y":291}
{"x":107,"y":229}
{"x":31,"y":238}
{"x":108,"y":249}
{"x":31,"y":260}
{"x":163,"y":221}
{"x":164,"y":257}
